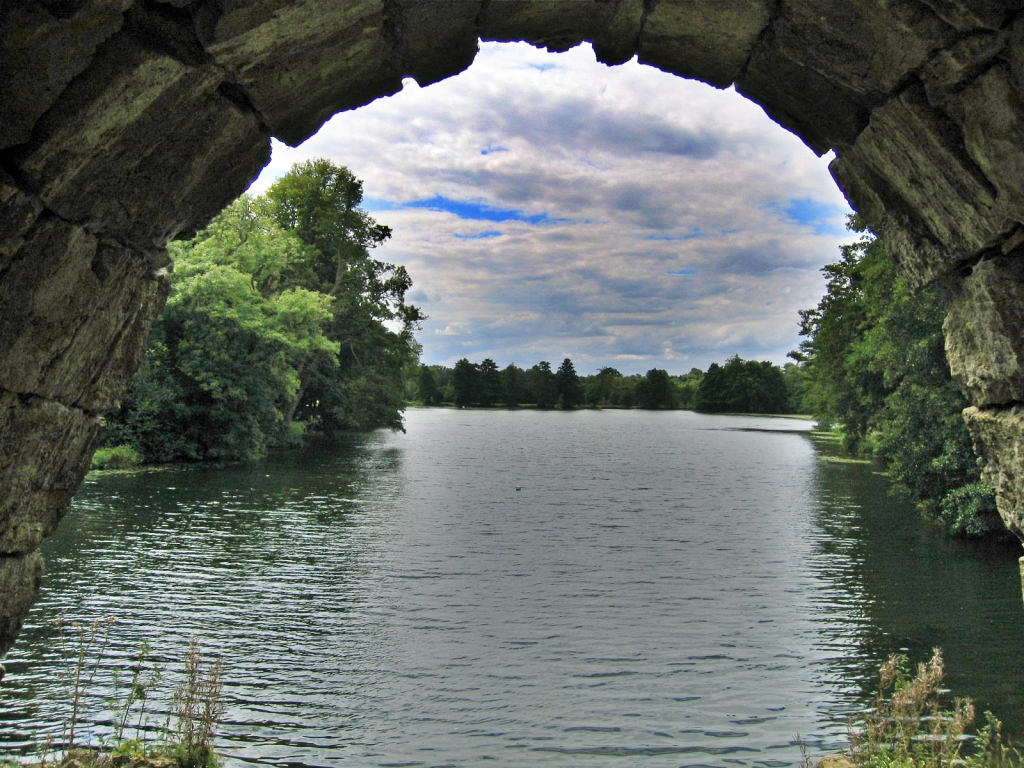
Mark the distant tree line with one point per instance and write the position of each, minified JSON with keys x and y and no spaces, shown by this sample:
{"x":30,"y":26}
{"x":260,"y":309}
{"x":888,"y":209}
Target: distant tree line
{"x":738,"y":386}
{"x":874,"y":364}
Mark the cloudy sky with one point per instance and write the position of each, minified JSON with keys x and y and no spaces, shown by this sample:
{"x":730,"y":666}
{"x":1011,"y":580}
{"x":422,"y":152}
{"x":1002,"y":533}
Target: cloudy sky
{"x":548,"y":206}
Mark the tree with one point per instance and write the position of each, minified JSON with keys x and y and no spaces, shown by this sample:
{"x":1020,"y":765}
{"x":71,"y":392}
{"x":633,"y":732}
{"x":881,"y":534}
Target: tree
{"x":601,"y":386}
{"x":567,"y":385}
{"x":742,"y":386}
{"x":513,"y":385}
{"x":874,"y":362}
{"x":488,"y":383}
{"x":656,"y":391}
{"x":274,"y":317}
{"x":428,"y":391}
{"x":540,"y":380}
{"x":464,"y":383}
{"x":319,"y":202}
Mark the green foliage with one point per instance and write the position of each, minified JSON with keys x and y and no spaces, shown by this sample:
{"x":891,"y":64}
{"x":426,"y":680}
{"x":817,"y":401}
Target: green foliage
{"x":567,"y":385}
{"x":542,"y":384}
{"x":655,"y":390}
{"x":513,"y":384}
{"x":742,"y":386}
{"x":117,"y":457}
{"x":874,"y":363}
{"x":464,"y":383}
{"x":278,"y":314}
{"x":908,"y":726}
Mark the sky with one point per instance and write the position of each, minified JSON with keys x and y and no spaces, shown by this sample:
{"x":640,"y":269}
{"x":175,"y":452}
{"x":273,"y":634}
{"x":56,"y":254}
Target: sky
{"x":548,"y":206}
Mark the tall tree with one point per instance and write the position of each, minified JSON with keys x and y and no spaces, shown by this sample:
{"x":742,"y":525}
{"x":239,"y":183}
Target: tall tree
{"x":464,"y":383}
{"x":656,"y":391}
{"x":319,"y":202}
{"x":542,"y":383}
{"x":567,"y":385}
{"x":513,"y":385}
{"x":488,"y":383}
{"x":875,"y":364}
{"x":274,"y":317}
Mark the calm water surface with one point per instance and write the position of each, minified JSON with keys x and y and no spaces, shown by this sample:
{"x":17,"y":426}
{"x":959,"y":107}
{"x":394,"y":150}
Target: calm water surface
{"x":666,"y":589}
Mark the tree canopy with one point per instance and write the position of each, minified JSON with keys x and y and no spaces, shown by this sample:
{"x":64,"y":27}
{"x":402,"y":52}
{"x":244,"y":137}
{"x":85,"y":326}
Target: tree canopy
{"x":874,"y":362}
{"x":278,"y":314}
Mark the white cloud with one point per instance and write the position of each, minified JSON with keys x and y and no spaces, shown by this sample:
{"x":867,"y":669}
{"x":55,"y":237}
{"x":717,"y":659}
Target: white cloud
{"x":614,"y":215}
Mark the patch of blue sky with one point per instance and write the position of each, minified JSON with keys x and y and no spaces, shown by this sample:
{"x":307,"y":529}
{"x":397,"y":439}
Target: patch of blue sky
{"x":542,"y":66}
{"x":374,"y":204}
{"x":823,"y":218}
{"x":481,"y":236}
{"x":682,"y":272}
{"x":477,"y":211}
{"x":693,"y":234}
{"x":491,"y":149}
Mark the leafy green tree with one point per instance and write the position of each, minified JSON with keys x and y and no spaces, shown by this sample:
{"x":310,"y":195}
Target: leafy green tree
{"x":319,"y":202}
{"x":656,"y":390}
{"x":875,"y":364}
{"x":465,"y":383}
{"x":488,"y":383}
{"x":541,"y":381}
{"x":742,"y":386}
{"x":687,"y":386}
{"x":428,"y":391}
{"x":567,"y":385}
{"x":513,"y":385}
{"x":599,"y":388}
{"x":274,"y":317}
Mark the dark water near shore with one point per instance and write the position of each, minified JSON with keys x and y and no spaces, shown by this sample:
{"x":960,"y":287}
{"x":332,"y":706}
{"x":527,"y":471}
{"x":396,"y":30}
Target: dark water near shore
{"x":666,"y":589}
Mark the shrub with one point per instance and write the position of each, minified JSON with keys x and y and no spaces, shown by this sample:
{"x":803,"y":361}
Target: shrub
{"x":118,"y":457}
{"x":908,"y":727}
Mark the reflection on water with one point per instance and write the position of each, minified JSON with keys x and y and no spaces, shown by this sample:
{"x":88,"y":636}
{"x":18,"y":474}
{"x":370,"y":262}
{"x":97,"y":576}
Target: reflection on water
{"x":665,"y":589}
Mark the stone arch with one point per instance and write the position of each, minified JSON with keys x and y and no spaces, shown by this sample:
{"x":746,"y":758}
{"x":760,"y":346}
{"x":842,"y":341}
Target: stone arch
{"x":126,"y":123}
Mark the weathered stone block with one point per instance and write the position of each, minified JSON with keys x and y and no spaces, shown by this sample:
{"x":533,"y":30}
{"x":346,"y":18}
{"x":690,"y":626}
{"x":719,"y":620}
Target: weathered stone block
{"x":864,"y":47}
{"x":301,"y":62}
{"x":998,"y":436}
{"x":45,"y":450}
{"x":40,"y":54}
{"x":556,"y":26}
{"x":435,"y":40}
{"x":143,"y":146}
{"x":984,"y":331}
{"x":18,"y":212}
{"x":21,"y":577}
{"x":706,"y":41}
{"x":992,"y":110}
{"x":910,"y":176}
{"x":77,"y":312}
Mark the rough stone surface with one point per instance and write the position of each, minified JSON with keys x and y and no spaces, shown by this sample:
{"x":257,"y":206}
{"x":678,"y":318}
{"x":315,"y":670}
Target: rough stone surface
{"x":998,"y":435}
{"x":41,"y":53}
{"x":21,"y":577}
{"x":125,"y":123}
{"x":705,"y":41}
{"x":910,"y":175}
{"x":985,"y":333}
{"x":134,"y":138}
{"x":41,"y":444}
{"x":77,"y":312}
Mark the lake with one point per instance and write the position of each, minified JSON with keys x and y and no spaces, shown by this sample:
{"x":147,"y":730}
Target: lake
{"x":589,"y":588}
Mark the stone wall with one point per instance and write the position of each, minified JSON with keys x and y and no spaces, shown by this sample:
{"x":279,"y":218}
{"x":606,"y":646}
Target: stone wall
{"x":126,"y":123}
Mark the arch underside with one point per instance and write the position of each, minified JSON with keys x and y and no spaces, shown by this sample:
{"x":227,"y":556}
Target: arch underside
{"x":127,"y":123}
